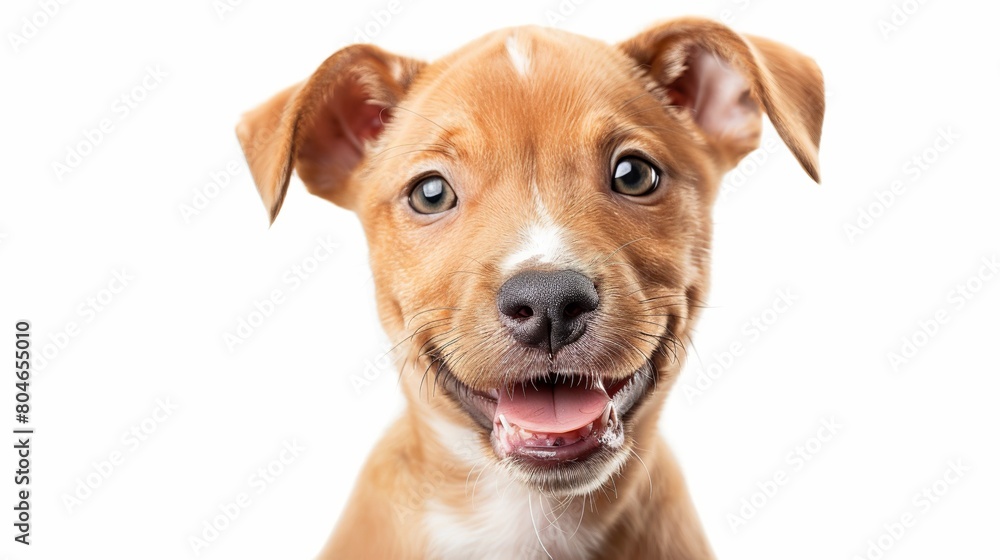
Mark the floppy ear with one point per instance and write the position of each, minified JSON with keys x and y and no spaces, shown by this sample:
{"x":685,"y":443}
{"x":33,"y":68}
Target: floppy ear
{"x":323,"y":126}
{"x":723,"y":81}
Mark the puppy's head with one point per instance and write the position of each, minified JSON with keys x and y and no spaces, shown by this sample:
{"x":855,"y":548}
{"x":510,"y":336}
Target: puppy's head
{"x":538,"y":212}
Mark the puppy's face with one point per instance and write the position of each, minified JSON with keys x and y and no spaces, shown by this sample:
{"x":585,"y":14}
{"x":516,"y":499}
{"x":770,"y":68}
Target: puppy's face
{"x":537,"y":207}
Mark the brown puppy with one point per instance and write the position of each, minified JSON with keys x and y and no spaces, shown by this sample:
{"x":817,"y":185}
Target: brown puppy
{"x":538,"y":212}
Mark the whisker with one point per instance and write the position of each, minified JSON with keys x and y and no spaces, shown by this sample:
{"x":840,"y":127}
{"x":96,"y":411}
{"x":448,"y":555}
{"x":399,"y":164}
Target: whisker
{"x":433,"y":151}
{"x":415,"y":315}
{"x":622,"y":246}
{"x":531,"y":514}
{"x":412,"y":112}
{"x":649,"y":476}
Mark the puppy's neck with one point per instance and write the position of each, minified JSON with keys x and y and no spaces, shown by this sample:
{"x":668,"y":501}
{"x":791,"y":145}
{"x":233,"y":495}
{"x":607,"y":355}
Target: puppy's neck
{"x":477,"y":510}
{"x":472,"y":507}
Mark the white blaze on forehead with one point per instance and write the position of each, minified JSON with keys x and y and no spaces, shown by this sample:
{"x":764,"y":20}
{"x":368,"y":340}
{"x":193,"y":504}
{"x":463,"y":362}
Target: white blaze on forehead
{"x":518,"y":56}
{"x":396,"y":69}
{"x":541,"y":242}
{"x":536,"y":197}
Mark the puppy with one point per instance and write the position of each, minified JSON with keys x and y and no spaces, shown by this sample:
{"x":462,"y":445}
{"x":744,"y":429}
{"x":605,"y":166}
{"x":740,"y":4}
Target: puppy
{"x":538,"y":211}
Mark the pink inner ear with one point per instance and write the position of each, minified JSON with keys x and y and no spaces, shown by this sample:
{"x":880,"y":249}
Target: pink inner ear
{"x":367,"y":123}
{"x":361,"y":121}
{"x":718,"y":97}
{"x":333,"y":139}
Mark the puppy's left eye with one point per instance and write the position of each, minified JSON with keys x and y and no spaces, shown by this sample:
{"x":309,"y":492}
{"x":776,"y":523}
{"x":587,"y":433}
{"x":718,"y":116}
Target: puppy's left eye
{"x":432,"y":195}
{"x":635,"y":177}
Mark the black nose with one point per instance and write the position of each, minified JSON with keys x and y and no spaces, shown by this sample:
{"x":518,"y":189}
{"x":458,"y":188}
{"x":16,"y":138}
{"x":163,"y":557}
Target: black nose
{"x":547,"y":309}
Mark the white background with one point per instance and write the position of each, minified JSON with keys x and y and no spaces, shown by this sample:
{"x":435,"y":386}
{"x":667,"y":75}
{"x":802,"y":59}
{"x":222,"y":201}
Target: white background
{"x":194,"y":278}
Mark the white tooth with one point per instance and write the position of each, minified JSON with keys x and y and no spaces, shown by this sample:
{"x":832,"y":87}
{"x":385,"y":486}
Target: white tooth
{"x":588,"y":429}
{"x":506,"y":425}
{"x":607,"y":413}
{"x":599,"y":384}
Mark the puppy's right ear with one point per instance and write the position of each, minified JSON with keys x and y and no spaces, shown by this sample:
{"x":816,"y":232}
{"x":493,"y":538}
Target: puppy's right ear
{"x":324,"y":126}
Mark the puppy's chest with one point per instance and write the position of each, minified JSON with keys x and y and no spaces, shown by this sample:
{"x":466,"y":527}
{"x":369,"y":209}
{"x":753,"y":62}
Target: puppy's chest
{"x":503,"y":520}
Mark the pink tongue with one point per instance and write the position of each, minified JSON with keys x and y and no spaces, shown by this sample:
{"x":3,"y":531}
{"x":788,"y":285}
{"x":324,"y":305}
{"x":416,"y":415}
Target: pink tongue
{"x":551,"y":408}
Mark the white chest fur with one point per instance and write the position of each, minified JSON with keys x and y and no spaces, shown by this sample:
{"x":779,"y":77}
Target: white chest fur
{"x":507,"y":521}
{"x":504,"y":520}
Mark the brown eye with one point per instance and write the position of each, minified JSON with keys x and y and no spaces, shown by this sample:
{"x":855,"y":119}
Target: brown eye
{"x":432,"y":195}
{"x":634,"y":177}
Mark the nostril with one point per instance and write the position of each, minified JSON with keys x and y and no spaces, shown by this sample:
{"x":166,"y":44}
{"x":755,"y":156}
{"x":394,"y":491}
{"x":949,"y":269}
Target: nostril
{"x":572,"y":311}
{"x":547,"y":309}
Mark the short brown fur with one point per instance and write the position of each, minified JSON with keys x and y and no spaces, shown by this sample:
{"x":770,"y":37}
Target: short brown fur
{"x":514,"y":142}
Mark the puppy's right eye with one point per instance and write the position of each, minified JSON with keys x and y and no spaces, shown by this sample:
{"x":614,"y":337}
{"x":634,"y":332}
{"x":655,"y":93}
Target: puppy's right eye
{"x":432,"y":195}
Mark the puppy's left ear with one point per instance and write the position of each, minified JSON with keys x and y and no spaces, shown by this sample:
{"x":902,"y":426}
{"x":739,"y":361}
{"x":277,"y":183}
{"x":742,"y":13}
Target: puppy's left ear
{"x":723,"y":81}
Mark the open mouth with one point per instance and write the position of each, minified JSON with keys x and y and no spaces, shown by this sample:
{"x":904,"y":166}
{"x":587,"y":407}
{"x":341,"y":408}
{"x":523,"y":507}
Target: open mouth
{"x":555,"y":419}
